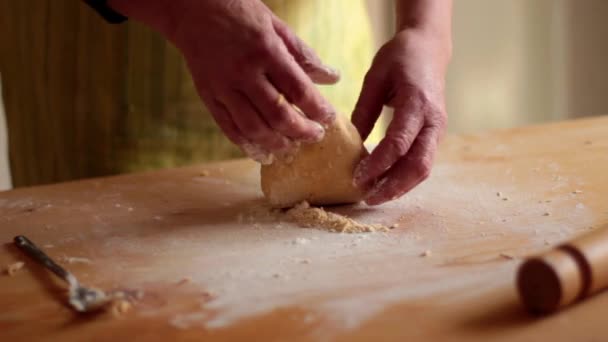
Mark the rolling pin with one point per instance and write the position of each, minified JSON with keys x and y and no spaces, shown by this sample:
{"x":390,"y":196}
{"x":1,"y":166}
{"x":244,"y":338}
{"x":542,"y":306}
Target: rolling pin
{"x":565,"y":274}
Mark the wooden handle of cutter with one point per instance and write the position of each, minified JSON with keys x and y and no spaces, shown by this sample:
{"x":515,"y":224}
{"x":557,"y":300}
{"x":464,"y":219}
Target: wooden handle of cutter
{"x":565,"y":274}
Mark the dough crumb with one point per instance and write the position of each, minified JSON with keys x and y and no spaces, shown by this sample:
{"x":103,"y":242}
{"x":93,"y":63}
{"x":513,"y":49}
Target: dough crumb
{"x":300,"y":241}
{"x":184,"y":280}
{"x":425,"y":254}
{"x":208,"y":296}
{"x":188,"y":320}
{"x":14,"y":268}
{"x":204,"y":173}
{"x":310,"y":217}
{"x":507,"y":256}
{"x":576,"y":192}
{"x":394,"y":225}
{"x":499,"y":194}
{"x":547,"y":214}
{"x":75,"y":260}
{"x":121,"y":307}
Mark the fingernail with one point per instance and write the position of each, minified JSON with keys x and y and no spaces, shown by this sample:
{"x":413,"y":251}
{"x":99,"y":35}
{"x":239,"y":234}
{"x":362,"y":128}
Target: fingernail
{"x":332,"y":70}
{"x":320,"y":131}
{"x":318,"y":135}
{"x":330,"y":117}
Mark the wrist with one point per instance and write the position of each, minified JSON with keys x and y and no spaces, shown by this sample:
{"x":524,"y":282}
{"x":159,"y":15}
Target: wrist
{"x":429,"y":19}
{"x":161,"y":15}
{"x":439,"y":45}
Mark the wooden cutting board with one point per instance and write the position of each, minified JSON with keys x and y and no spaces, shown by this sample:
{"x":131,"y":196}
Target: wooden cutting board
{"x":211,"y":266}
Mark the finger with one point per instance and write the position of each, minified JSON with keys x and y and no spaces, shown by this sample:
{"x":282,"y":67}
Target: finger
{"x":224,"y":120}
{"x":289,"y":79}
{"x":409,"y":171}
{"x":282,"y":116}
{"x":370,"y":104}
{"x":308,"y":60}
{"x":399,"y":137}
{"x":252,"y":125}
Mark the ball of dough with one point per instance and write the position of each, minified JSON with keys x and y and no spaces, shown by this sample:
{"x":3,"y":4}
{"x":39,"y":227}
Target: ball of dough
{"x":320,"y":173}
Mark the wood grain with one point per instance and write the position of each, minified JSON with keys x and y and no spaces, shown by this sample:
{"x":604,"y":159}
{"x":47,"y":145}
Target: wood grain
{"x":493,"y":199}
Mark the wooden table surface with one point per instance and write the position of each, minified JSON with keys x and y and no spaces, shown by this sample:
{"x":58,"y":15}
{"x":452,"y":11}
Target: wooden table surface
{"x":211,"y":265}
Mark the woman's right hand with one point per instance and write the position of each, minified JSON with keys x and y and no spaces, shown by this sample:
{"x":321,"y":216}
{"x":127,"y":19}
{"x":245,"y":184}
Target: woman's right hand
{"x":248,"y":67}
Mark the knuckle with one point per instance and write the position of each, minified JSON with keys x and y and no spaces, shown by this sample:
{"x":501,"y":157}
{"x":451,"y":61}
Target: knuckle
{"x":256,"y":55}
{"x":274,"y":142}
{"x":257,"y":34}
{"x":254,"y":132}
{"x":410,"y":96}
{"x":263,"y":49}
{"x":282,"y":120}
{"x":308,"y":64}
{"x":399,"y":143}
{"x":267,"y":44}
{"x":422,"y":170}
{"x":298,"y":92}
{"x":440,"y":119}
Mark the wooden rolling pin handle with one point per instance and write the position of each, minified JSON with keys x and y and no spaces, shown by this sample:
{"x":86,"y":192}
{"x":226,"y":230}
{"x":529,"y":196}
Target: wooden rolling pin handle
{"x":565,"y":274}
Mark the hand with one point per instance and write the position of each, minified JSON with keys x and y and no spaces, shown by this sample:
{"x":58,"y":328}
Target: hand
{"x":248,"y":67}
{"x":407,"y":74}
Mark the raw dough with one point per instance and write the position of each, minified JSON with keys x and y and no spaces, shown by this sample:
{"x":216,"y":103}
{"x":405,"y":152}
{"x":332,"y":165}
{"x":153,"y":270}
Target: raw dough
{"x":319,"y":173}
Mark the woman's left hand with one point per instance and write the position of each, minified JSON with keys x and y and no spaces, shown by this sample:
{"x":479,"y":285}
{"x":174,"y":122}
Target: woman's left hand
{"x":408,"y":74}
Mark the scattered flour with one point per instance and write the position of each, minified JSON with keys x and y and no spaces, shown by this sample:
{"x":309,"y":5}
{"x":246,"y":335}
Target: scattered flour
{"x":185,"y":321}
{"x":321,"y":273}
{"x":507,"y":256}
{"x":13,"y":268}
{"x":311,"y":217}
{"x":425,"y":254}
{"x":300,"y":241}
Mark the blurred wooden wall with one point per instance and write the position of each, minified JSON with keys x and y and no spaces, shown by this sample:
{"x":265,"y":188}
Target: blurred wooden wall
{"x":138,"y":110}
{"x":5,"y":171}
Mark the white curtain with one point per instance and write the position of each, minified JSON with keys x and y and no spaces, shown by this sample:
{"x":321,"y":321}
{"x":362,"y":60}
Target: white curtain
{"x":519,"y":62}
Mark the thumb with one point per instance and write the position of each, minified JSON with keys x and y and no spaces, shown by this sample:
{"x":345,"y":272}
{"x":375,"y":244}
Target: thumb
{"x":370,"y":103}
{"x":305,"y":56}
